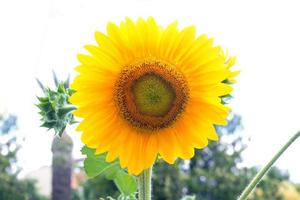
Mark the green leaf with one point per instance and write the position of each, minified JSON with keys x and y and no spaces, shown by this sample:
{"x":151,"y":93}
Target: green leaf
{"x":125,"y":183}
{"x":87,"y":151}
{"x":95,"y":165}
{"x":112,"y":171}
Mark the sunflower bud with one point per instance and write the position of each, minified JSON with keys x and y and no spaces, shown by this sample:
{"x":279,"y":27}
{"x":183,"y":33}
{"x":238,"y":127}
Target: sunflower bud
{"x":55,"y":109}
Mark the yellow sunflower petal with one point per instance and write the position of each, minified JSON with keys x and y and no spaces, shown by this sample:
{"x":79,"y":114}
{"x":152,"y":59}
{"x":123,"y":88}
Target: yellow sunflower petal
{"x":166,"y":146}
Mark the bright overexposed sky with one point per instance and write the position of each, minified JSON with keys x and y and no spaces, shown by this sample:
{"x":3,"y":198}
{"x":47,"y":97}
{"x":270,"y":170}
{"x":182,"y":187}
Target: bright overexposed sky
{"x":37,"y":36}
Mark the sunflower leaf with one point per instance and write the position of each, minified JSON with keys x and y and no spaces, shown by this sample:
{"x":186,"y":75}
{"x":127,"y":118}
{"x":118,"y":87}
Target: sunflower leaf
{"x":95,"y":165}
{"x":125,"y":183}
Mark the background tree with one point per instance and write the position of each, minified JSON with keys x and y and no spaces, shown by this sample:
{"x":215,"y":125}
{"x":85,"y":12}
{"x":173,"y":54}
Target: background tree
{"x":167,"y":181}
{"x":11,"y":188}
{"x":270,"y":186}
{"x":99,"y":187}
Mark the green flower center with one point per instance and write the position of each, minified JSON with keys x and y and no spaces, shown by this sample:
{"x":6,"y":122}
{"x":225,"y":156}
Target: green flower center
{"x":153,"y":95}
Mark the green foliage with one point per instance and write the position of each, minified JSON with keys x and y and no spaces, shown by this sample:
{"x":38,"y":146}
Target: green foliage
{"x":95,"y":165}
{"x":99,"y":186}
{"x":11,"y":188}
{"x":121,"y":197}
{"x":268,"y":188}
{"x":297,"y":186}
{"x":213,"y":172}
{"x":189,"y":197}
{"x":167,"y":181}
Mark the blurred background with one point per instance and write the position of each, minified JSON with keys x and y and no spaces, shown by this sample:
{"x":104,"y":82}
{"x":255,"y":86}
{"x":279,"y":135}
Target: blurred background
{"x":38,"y":36}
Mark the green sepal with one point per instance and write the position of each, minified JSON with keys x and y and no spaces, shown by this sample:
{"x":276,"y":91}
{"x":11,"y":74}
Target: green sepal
{"x":44,"y":106}
{"x":65,"y":110}
{"x":43,"y":99}
{"x":48,"y":124}
{"x":71,"y":92}
{"x":226,"y":98}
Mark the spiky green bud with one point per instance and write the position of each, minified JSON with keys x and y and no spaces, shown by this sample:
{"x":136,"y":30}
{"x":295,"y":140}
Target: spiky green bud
{"x":55,"y":108}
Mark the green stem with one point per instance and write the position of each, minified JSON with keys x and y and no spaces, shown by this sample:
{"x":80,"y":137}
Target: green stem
{"x":144,"y":181}
{"x":247,"y":191}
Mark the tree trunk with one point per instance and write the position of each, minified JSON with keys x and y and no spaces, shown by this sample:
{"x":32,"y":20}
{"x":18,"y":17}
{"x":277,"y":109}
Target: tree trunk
{"x":61,"y":167}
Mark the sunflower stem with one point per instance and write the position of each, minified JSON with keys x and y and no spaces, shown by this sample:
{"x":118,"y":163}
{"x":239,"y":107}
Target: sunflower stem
{"x":144,"y":181}
{"x":248,"y":190}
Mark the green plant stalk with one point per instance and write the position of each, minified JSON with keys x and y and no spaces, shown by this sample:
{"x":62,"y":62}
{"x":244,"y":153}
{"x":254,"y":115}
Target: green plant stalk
{"x":247,"y":191}
{"x":144,"y":184}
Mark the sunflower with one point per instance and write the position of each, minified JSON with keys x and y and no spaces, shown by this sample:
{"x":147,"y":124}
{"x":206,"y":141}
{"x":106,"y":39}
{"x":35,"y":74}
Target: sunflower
{"x":145,"y":91}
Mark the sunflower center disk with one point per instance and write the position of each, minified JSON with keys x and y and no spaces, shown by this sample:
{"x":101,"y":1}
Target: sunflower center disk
{"x":151,"y":95}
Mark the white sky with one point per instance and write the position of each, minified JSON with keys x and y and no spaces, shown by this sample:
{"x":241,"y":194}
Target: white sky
{"x":37,"y":36}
